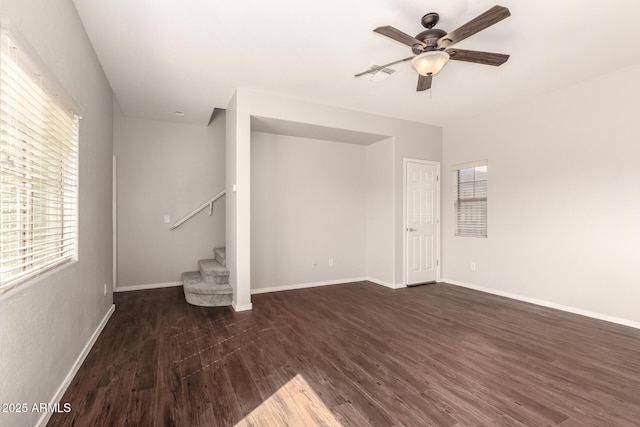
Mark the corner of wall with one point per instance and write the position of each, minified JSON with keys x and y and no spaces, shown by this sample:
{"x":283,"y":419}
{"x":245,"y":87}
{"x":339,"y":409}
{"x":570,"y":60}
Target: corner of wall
{"x":231,"y":201}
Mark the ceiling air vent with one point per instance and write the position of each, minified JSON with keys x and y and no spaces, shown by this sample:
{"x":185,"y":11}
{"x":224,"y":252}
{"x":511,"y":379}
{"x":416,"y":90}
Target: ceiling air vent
{"x":376,"y":74}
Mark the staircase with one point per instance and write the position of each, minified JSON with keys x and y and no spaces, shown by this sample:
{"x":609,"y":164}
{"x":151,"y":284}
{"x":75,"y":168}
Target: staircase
{"x":209,"y":287}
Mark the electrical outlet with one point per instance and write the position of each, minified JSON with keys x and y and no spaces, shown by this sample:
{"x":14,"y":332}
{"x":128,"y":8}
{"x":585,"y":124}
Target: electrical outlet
{"x":473,"y":266}
{"x":330,"y":262}
{"x":105,"y":289}
{"x":167,"y":219}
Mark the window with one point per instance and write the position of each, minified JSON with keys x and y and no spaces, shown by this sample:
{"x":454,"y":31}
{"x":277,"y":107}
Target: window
{"x":470,"y":199}
{"x":38,"y":169}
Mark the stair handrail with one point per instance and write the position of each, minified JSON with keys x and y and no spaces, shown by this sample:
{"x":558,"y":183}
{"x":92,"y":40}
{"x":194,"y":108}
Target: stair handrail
{"x":198,"y":209}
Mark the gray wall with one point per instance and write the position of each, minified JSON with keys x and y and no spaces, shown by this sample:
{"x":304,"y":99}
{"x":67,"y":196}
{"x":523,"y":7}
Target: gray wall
{"x":45,"y":325}
{"x":308,"y":204}
{"x":564,"y":211}
{"x":166,"y":168}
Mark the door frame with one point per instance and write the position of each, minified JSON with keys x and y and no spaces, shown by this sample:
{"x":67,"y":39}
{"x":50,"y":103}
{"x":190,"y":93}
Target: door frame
{"x":437,"y":210}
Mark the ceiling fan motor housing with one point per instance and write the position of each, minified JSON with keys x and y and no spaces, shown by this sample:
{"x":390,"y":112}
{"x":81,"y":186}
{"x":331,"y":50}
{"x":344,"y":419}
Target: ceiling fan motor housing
{"x":430,"y":37}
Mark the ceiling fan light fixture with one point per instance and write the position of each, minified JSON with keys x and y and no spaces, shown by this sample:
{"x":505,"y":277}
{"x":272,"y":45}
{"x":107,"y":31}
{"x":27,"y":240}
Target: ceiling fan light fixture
{"x":430,"y":63}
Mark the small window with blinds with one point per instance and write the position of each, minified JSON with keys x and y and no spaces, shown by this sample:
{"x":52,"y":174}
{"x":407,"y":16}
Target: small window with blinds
{"x":38,"y":170}
{"x":470,"y":199}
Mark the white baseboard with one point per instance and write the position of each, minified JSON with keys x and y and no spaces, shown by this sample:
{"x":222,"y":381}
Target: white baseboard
{"x":243,"y":307}
{"x":44,"y":418}
{"x":150,"y":286}
{"x":326,"y":283}
{"x":549,"y":304}
{"x":305,"y":285}
{"x":386,"y":284}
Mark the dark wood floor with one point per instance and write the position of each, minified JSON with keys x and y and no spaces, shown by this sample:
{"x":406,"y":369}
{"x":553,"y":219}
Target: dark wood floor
{"x":355,"y":355}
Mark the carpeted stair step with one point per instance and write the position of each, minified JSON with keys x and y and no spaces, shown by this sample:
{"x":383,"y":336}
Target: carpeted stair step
{"x":221,"y":255}
{"x":199,"y":292}
{"x":213,"y":272}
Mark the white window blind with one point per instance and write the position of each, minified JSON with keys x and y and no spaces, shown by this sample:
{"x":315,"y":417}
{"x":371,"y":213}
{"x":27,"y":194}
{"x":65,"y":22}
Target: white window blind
{"x":470,"y":198}
{"x":38,"y":171}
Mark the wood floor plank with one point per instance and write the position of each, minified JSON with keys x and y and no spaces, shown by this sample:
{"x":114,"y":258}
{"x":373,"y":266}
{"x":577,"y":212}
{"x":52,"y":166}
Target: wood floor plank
{"x":356,"y":354}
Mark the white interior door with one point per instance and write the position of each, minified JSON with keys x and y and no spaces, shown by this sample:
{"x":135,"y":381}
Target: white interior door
{"x":422,"y":218}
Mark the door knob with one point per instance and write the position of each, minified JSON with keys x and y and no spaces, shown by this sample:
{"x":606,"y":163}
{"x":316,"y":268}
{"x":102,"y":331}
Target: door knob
{"x":411,"y":229}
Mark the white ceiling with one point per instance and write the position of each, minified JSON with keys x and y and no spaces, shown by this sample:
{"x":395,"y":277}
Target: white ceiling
{"x":166,"y":55}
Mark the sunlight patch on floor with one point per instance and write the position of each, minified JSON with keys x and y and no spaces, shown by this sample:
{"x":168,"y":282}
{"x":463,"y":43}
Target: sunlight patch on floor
{"x":294,"y":404}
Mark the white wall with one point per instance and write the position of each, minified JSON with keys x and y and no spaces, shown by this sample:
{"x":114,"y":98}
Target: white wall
{"x":166,"y":168}
{"x":45,"y":325}
{"x":564,"y":211}
{"x":308,"y":204}
{"x":380,"y":209}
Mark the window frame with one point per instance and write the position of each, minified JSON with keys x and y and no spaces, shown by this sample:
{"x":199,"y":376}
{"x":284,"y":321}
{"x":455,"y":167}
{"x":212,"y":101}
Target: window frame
{"x":29,"y":146}
{"x":484,"y":228}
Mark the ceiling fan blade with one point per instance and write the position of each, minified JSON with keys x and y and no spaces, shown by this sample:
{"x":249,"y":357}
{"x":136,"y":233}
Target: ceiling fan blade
{"x":399,"y":36}
{"x":478,"y":57}
{"x":424,"y":82}
{"x":479,"y":23}
{"x":374,"y":70}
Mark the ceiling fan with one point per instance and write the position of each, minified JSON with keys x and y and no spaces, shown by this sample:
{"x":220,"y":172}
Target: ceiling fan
{"x":432,"y":47}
